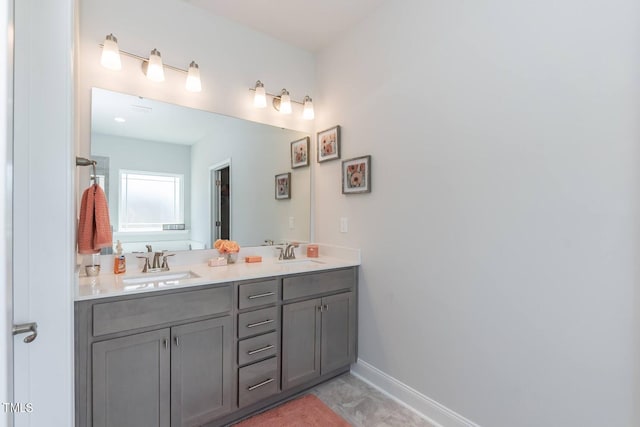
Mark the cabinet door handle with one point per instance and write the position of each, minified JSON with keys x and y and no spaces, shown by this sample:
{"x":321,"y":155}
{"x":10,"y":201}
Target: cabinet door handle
{"x":165,"y":342}
{"x":264,"y":322}
{"x":325,"y":307}
{"x":319,"y":308}
{"x":266,"y":294}
{"x":259,"y":350}
{"x":265,"y":382}
{"x":177,"y":341}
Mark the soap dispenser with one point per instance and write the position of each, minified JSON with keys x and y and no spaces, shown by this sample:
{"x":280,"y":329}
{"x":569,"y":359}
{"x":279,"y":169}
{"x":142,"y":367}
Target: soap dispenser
{"x":119,"y":261}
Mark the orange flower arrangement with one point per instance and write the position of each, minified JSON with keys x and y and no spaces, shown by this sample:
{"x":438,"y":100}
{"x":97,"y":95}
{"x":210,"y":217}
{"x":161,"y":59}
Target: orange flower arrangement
{"x":226,"y":246}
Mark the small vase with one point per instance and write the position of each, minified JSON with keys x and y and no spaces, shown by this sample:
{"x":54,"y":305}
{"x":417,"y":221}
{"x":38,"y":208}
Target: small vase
{"x":232,"y":257}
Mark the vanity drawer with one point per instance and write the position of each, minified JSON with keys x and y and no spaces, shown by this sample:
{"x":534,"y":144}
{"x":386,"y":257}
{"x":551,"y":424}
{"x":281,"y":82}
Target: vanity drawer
{"x":257,"y":381}
{"x":136,"y":313}
{"x":257,"y":293}
{"x":317,"y":283}
{"x":257,"y":348}
{"x":257,"y":322}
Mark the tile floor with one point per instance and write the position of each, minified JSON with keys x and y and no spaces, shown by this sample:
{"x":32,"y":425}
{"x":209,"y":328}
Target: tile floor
{"x":364,"y":406}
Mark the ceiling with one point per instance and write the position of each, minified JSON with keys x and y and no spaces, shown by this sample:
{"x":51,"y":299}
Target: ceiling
{"x":151,"y":120}
{"x":309,"y":24}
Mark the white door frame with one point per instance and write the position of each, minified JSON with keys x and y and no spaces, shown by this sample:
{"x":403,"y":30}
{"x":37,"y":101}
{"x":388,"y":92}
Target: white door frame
{"x":6,"y":195}
{"x":212,"y":202}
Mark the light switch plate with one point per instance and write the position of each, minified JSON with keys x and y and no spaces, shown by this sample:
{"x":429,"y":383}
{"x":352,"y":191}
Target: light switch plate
{"x":344,"y":224}
{"x":292,"y":223}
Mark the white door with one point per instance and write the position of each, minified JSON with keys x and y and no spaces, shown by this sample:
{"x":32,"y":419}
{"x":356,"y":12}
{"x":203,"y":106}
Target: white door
{"x":43,"y":211}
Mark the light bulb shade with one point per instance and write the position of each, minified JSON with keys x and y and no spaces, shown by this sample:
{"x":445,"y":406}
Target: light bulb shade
{"x":155,"y":70}
{"x":260,"y":96}
{"x":285,"y":102}
{"x":308,"y":113}
{"x":193,"y":78}
{"x":111,"y":54}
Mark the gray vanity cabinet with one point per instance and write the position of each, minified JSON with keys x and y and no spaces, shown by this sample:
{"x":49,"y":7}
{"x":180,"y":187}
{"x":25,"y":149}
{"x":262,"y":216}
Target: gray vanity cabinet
{"x":201,"y":371}
{"x":143,"y":379}
{"x":338,"y":332}
{"x":158,"y":359}
{"x":300,"y":342}
{"x":131,"y":381}
{"x":318,"y":334}
{"x":212,"y":354}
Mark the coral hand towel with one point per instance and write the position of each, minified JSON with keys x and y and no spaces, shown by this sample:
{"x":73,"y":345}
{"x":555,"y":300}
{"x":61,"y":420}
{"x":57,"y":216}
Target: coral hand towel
{"x":94,"y":228}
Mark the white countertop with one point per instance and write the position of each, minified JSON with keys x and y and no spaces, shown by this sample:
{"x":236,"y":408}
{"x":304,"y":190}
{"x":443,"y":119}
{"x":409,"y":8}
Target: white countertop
{"x":107,"y":284}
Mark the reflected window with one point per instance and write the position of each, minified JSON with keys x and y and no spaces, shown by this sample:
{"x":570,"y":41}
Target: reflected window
{"x":148,"y":200}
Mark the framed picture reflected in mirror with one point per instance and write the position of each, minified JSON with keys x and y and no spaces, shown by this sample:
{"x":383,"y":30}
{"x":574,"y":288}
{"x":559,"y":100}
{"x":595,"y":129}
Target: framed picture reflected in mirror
{"x":283,"y":186}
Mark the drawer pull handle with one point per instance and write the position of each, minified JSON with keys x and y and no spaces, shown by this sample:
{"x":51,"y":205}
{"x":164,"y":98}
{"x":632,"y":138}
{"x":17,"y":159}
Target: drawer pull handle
{"x":266,"y":294}
{"x":259,"y":350}
{"x":264,"y":322}
{"x":265,"y":382}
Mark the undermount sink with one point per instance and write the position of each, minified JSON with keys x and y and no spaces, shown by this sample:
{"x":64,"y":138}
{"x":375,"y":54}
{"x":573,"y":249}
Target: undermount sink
{"x":299,"y":261}
{"x":169,"y":276}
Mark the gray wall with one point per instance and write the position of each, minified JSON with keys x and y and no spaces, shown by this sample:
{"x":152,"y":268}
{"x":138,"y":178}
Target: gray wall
{"x":257,"y":152}
{"x":500,"y":244}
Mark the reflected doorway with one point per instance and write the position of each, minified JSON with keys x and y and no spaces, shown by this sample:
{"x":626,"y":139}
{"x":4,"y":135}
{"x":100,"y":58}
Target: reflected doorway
{"x":221,"y":200}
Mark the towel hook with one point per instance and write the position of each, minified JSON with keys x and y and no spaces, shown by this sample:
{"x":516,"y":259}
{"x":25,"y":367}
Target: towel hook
{"x":81,"y":161}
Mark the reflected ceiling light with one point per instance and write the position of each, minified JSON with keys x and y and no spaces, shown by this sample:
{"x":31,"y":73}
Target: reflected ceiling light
{"x":120,"y":119}
{"x":285,"y":102}
{"x":260,"y":97}
{"x":155,"y":70}
{"x":193,"y":78}
{"x":111,"y":54}
{"x":307,"y":112}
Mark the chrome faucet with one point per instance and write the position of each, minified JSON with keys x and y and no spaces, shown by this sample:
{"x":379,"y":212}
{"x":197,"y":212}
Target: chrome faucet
{"x":160,"y":262}
{"x":288,"y":252}
{"x":165,"y":264}
{"x":156,"y":260}
{"x":146,"y":267}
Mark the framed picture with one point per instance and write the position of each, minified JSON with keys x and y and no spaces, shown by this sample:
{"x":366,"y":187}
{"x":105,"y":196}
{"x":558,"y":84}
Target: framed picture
{"x":329,"y":144}
{"x":283,"y":186}
{"x":300,"y":153}
{"x":356,"y":175}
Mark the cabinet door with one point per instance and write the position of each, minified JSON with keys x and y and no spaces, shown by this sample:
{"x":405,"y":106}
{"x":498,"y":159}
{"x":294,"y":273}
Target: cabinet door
{"x":201,"y":371}
{"x":300,"y":342}
{"x":131,"y":381}
{"x":338,"y":331}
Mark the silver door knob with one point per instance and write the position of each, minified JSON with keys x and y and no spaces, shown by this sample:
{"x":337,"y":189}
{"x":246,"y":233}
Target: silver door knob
{"x":25,"y":328}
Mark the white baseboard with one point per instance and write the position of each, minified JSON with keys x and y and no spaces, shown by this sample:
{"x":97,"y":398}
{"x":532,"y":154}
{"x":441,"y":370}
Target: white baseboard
{"x":434,"y":412}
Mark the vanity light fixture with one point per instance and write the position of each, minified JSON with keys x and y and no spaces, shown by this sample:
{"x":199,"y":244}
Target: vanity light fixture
{"x":285,"y":102}
{"x":307,"y":112}
{"x":260,"y":97}
{"x":152,"y":67}
{"x":282,"y":102}
{"x":193,"y":78}
{"x":111,"y":54}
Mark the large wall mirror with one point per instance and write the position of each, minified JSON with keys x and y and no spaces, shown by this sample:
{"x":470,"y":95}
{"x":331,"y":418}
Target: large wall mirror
{"x":177,"y":178}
